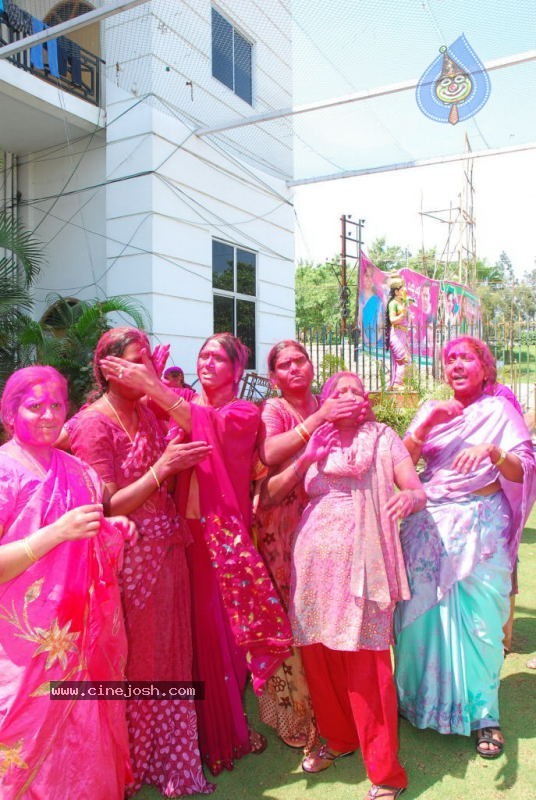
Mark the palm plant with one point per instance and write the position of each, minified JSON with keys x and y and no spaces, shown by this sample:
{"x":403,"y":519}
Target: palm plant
{"x":20,"y":261}
{"x":67,"y":336}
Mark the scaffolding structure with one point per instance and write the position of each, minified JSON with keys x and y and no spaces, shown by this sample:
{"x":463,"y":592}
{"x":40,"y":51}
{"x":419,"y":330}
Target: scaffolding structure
{"x":460,"y":242}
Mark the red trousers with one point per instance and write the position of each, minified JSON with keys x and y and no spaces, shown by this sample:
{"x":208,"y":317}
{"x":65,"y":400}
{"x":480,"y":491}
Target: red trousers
{"x":355,"y":705}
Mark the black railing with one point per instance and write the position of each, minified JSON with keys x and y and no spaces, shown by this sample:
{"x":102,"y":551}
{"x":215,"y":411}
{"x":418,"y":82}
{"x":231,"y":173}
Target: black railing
{"x":513,"y":345}
{"x":61,"y":62}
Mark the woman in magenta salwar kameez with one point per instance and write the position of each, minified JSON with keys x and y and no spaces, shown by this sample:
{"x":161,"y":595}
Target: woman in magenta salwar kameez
{"x":121,"y":438}
{"x":60,"y":609}
{"x":238,"y":622}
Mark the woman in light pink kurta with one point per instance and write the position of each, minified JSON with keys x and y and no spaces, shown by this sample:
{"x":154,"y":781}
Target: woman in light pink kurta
{"x":348,"y":575}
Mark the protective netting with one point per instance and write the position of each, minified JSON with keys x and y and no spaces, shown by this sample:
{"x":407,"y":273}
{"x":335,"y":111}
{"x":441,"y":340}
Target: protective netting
{"x":307,"y":51}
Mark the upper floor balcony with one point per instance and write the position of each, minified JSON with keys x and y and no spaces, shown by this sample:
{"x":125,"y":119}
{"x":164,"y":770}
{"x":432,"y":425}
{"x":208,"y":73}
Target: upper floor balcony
{"x":61,"y":61}
{"x":34,"y":114}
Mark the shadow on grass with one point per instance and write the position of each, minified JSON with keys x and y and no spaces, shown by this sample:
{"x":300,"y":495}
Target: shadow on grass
{"x":529,"y":536}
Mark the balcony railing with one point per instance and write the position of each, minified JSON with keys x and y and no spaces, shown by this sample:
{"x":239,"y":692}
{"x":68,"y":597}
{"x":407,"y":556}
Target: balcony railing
{"x":61,"y":61}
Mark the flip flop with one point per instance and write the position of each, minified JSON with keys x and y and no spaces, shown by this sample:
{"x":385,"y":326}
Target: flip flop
{"x":485,"y":735}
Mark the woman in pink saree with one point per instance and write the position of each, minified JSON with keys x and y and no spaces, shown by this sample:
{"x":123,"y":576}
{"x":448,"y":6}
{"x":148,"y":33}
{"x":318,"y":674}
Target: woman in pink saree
{"x":60,"y":610}
{"x":121,"y":438}
{"x":287,"y":423}
{"x":238,"y":621}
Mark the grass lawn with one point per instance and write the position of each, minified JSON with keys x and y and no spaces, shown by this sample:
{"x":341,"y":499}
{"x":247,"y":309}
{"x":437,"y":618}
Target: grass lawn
{"x":439,"y":767}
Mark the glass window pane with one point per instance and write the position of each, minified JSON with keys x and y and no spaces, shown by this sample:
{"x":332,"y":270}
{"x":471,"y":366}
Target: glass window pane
{"x":245,"y":272}
{"x":242,"y":68}
{"x":223,"y":314}
{"x":222,"y":266}
{"x":245,"y":327}
{"x":222,"y":49}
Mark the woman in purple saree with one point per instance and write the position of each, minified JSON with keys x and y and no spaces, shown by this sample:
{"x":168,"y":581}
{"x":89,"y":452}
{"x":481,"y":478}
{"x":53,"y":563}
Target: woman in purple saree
{"x":460,"y":551}
{"x":60,"y":610}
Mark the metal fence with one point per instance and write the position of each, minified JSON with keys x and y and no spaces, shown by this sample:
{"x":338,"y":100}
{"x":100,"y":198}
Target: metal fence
{"x":513,"y":344}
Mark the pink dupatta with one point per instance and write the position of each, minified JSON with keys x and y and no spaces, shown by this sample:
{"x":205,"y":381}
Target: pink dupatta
{"x":258,"y":622}
{"x":60,"y":620}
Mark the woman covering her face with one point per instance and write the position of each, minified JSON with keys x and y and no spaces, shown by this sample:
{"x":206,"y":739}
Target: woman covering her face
{"x":347,"y":575}
{"x":460,"y":551}
{"x":60,"y":609}
{"x":122,"y":439}
{"x":238,"y":622}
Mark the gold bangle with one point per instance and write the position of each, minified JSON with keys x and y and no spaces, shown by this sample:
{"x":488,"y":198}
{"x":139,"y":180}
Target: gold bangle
{"x":502,"y":457}
{"x":28,"y":550}
{"x":155,"y":476}
{"x":302,"y":432}
{"x":413,"y":438}
{"x":176,"y":404}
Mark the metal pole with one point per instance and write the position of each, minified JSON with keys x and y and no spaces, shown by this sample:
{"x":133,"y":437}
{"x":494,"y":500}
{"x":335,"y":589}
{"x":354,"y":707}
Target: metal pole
{"x":366,"y":94}
{"x":344,"y":282}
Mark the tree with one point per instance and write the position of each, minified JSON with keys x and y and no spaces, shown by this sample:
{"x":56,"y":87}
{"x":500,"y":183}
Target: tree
{"x":67,"y":337}
{"x":317,"y":296}
{"x":387,"y":257}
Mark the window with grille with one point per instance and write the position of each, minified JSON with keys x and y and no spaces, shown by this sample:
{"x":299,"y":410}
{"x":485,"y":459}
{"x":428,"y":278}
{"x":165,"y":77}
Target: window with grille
{"x":231,"y":57}
{"x":234,"y":280}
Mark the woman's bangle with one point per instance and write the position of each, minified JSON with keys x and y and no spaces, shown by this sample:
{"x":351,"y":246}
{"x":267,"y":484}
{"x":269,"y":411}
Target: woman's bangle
{"x":28,"y":550}
{"x":155,"y":476}
{"x":418,"y":441}
{"x":176,"y":404}
{"x":302,"y":432}
{"x":502,"y":457}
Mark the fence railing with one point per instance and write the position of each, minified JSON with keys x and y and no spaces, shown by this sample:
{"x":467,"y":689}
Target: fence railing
{"x":72,"y":68}
{"x":513,"y":345}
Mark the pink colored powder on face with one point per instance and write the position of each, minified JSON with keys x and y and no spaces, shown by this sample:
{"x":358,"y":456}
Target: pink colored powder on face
{"x":40,"y":416}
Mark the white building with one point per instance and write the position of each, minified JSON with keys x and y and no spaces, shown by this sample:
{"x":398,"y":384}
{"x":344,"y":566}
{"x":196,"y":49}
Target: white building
{"x":120,"y":180}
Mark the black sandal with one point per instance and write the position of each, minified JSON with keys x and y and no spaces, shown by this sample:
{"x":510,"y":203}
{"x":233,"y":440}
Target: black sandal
{"x":485,"y":735}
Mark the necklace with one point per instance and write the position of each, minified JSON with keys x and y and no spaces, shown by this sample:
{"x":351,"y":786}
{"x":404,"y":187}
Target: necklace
{"x":295,"y":411}
{"x":118,"y":418}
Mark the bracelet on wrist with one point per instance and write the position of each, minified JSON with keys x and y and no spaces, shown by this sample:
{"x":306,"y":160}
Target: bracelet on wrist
{"x":155,"y":476}
{"x":176,"y":404}
{"x":28,"y":550}
{"x":501,"y":459}
{"x":302,"y":432}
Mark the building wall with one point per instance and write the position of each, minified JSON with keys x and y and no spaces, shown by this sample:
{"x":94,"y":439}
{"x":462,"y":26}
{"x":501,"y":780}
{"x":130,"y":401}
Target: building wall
{"x":147,"y":196}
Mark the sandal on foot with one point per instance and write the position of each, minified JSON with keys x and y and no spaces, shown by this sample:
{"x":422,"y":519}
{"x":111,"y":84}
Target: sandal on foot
{"x":257,"y":742}
{"x":485,"y":736}
{"x":381,"y":790}
{"x":321,"y":759}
